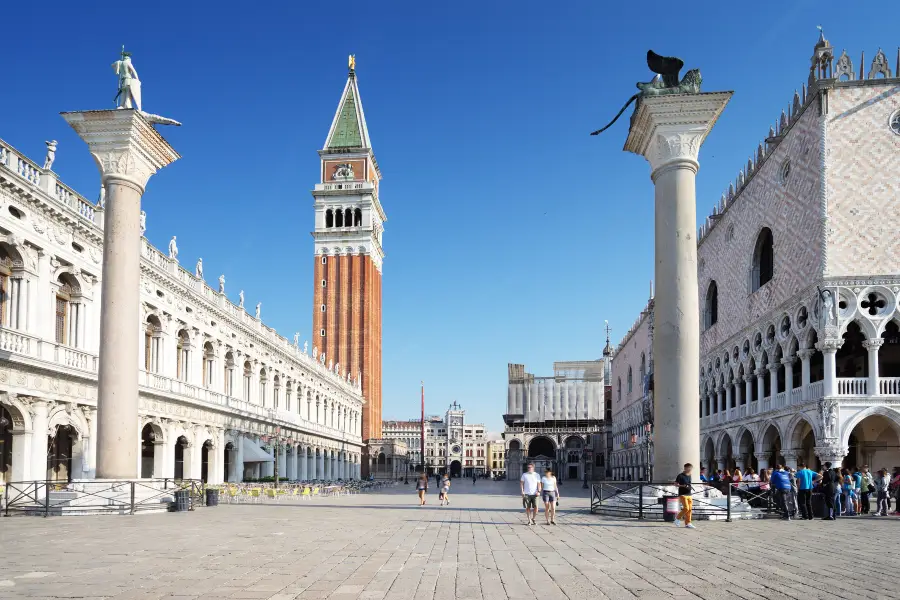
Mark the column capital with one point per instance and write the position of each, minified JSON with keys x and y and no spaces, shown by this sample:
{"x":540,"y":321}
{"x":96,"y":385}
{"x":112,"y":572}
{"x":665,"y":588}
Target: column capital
{"x":788,"y":361}
{"x":761,"y":456}
{"x":773,"y":367}
{"x":805,"y":354}
{"x":669,"y":130}
{"x":829,"y":346}
{"x":873,"y":345}
{"x":124,"y":144}
{"x":831,"y":452}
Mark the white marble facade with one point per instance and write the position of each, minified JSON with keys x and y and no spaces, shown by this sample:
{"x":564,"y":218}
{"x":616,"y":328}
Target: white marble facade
{"x":799,"y":283}
{"x":217,"y":386}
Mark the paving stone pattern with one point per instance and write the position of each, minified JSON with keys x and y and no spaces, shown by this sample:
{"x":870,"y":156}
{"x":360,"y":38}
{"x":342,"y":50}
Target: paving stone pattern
{"x":383,"y":546}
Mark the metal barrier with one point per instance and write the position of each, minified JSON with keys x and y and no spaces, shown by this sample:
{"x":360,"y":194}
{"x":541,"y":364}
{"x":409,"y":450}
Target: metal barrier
{"x":53,"y":498}
{"x":639,"y":499}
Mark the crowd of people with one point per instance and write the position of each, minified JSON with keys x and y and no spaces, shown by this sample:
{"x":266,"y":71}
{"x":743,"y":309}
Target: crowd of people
{"x":845,"y":492}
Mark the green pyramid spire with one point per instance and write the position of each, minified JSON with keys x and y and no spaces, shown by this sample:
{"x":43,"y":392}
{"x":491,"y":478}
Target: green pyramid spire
{"x":347,"y":132}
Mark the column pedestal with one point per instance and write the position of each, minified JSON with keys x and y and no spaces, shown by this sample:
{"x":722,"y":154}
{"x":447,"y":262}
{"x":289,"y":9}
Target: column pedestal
{"x":128,"y":150}
{"x":668,"y":131}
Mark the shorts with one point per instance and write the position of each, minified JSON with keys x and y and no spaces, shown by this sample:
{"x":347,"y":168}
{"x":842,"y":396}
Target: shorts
{"x":530,"y":501}
{"x":548,"y":496}
{"x":445,"y":491}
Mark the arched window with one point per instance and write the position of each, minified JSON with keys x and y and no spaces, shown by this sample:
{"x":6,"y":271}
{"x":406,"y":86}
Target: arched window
{"x":68,"y":311}
{"x":287,"y":396}
{"x":643,"y":371}
{"x":711,"y":312}
{"x":209,"y":357}
{"x":357,"y":218}
{"x":763,"y":260}
{"x":338,"y":218}
{"x":276,"y":384}
{"x":152,"y":344}
{"x":248,"y":375}
{"x":348,"y":217}
{"x":229,"y":374}
{"x":183,"y":355}
{"x":12,"y":308}
{"x":628,"y":382}
{"x":263,"y":380}
{"x":619,"y":389}
{"x":329,"y":218}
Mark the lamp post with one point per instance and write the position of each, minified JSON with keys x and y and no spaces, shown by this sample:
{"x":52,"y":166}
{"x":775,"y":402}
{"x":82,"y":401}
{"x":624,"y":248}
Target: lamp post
{"x":648,"y":442}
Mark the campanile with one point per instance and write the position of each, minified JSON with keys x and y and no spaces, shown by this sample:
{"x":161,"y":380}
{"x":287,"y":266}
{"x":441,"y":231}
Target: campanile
{"x":348,"y":253}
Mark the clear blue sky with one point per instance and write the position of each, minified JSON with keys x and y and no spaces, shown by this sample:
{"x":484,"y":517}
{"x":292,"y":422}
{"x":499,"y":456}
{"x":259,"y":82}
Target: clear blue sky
{"x":511,"y":233}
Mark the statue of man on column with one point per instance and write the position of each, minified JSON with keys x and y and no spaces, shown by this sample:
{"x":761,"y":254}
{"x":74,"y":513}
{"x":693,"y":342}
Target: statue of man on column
{"x":129,"y":94}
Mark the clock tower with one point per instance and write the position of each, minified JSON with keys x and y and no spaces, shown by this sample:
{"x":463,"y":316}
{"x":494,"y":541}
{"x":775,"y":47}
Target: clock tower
{"x":455,"y":437}
{"x":348,"y":257}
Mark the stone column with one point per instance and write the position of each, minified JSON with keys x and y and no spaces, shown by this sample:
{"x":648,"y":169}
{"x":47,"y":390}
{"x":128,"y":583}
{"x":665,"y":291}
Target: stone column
{"x":831,"y":453}
{"x":804,"y":371}
{"x":239,"y":459}
{"x":829,"y":348}
{"x":668,"y":131}
{"x":760,"y":383}
{"x":720,"y":462}
{"x":127,"y":150}
{"x":739,"y":463}
{"x":790,"y":459}
{"x":304,"y":464}
{"x":728,"y":398}
{"x":762,"y":461}
{"x":737,"y":392}
{"x":872,"y":347}
{"x":748,"y":390}
{"x":788,"y":376}
{"x":773,"y":381}
{"x":39,"y":422}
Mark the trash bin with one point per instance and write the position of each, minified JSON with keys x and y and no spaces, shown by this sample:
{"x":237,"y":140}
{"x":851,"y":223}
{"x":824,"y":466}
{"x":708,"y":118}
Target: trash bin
{"x":182,"y":500}
{"x":671,"y":507}
{"x":212,"y":497}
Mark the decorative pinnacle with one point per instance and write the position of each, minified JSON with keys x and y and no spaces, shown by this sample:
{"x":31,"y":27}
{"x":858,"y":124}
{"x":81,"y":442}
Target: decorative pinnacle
{"x":351,"y":62}
{"x":124,"y":53}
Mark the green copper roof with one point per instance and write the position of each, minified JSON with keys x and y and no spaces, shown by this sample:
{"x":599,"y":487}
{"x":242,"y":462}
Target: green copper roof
{"x":347,"y":133}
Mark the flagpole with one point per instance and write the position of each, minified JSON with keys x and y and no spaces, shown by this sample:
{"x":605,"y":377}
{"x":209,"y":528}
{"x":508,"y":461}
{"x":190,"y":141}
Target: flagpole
{"x":423,"y":427}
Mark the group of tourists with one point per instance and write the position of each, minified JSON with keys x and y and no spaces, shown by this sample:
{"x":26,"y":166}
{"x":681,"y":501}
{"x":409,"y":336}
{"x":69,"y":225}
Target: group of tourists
{"x":845,"y":492}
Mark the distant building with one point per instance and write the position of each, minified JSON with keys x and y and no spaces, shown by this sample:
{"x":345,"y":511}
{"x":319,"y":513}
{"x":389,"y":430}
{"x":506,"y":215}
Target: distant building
{"x":410,"y":433}
{"x":497,"y":458}
{"x":551,"y":421}
{"x":451,"y":445}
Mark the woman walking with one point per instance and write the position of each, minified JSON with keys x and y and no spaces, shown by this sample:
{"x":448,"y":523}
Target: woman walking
{"x":422,"y":488}
{"x":882,"y":483}
{"x":445,"y":490}
{"x":550,"y":494}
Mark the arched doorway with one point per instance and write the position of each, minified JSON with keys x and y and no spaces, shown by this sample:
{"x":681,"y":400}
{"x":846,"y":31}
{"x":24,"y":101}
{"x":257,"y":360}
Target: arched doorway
{"x":228,"y":462}
{"x":60,"y":446}
{"x":745,"y":451}
{"x":205,"y":451}
{"x":771,"y":447}
{"x":455,"y":468}
{"x":726,"y":452}
{"x":874,"y":441}
{"x":709,"y":453}
{"x":148,"y":447}
{"x":574,"y":457}
{"x":541,"y":446}
{"x":181,"y":444}
{"x":6,"y":445}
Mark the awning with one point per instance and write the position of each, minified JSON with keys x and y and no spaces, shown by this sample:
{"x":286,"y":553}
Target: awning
{"x":253,"y":453}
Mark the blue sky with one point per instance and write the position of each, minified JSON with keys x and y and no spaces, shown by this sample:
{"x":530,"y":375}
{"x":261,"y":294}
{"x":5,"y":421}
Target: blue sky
{"x":511,"y":233}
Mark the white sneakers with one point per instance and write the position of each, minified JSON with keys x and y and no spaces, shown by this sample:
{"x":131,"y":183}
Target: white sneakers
{"x":690,"y":526}
{"x":677,"y":523}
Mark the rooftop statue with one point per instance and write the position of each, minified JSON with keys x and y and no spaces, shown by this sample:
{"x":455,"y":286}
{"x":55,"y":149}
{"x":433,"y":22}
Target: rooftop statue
{"x":129,"y":93}
{"x":667,"y":69}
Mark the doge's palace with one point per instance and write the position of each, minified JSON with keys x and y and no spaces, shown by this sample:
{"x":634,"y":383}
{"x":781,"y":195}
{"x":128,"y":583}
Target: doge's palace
{"x":217,"y":387}
{"x":798,"y":275}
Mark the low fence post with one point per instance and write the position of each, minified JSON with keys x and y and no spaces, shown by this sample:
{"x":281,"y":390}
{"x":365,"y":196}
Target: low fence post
{"x":6,"y":498}
{"x":46,"y":498}
{"x":132,"y":497}
{"x":640,"y":501}
{"x":728,"y":506}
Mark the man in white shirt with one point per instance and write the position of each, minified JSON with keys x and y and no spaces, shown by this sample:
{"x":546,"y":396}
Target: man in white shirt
{"x":530,"y":482}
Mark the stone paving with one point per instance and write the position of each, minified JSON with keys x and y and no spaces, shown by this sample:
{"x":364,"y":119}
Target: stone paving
{"x":383,"y":546}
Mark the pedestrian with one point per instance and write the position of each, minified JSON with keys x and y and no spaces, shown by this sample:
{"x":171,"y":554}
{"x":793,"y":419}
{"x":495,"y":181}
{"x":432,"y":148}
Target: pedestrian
{"x":550,"y":496}
{"x":882,"y":483}
{"x":846,"y":489}
{"x":530,"y":484}
{"x":703,"y":476}
{"x":894,"y":489}
{"x":793,"y":509}
{"x":805,"y":479}
{"x":422,"y":488}
{"x":445,"y":490}
{"x":867,"y":487}
{"x":685,"y":491}
{"x":829,"y":486}
{"x":474,"y":477}
{"x":782,"y":483}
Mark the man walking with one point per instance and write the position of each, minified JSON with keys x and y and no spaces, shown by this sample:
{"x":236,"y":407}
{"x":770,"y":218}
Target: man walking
{"x":530,"y":483}
{"x":685,"y":491}
{"x":868,"y":484}
{"x":805,"y":479}
{"x":781,"y":482}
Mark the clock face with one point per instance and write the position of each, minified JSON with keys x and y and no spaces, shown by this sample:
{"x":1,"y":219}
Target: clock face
{"x":456,"y":449}
{"x":456,"y":421}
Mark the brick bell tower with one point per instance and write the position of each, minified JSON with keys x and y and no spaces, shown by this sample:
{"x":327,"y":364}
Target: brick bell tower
{"x":348,"y":254}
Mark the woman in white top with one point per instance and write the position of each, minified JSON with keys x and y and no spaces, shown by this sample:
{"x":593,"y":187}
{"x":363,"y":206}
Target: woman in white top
{"x":550,"y":493}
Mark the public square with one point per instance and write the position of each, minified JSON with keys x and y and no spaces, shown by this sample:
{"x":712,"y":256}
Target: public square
{"x":382,"y":545}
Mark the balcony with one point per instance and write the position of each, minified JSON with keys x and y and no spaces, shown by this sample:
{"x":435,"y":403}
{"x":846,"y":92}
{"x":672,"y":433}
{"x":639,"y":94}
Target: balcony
{"x":31,"y":347}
